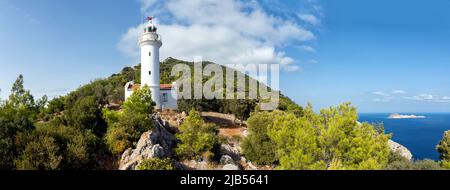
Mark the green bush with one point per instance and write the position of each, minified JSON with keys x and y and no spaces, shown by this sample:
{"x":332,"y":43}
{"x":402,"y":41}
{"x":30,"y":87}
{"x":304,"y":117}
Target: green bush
{"x":118,"y":139}
{"x":126,"y":131}
{"x":86,"y":114}
{"x":41,"y":153}
{"x":414,"y":165}
{"x":258,"y":147}
{"x":427,"y":165}
{"x":17,"y":115}
{"x":330,"y":140}
{"x":398,"y":162}
{"x":72,"y":148}
{"x":444,"y":150}
{"x":54,"y":107}
{"x":197,"y":137}
{"x":140,"y":102}
{"x":126,"y":127}
{"x":156,"y":164}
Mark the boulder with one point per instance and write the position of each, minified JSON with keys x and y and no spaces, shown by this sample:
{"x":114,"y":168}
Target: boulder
{"x":226,"y":160}
{"x":231,"y":151}
{"x":157,"y":143}
{"x":400,"y":149}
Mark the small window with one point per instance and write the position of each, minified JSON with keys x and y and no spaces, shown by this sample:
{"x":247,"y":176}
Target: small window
{"x":165,"y":98}
{"x":150,"y":73}
{"x":150,"y":54}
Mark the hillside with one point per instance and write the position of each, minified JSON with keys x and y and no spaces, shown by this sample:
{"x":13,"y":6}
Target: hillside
{"x":111,"y":91}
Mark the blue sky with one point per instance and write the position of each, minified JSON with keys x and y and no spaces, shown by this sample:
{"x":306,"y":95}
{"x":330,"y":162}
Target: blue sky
{"x":381,"y":55}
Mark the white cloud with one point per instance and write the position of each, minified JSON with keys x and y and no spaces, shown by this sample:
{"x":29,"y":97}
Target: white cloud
{"x":307,"y":48}
{"x":226,"y":32}
{"x":396,"y":95}
{"x":379,"y":93}
{"x":309,"y":18}
{"x":429,"y":98}
{"x":399,"y":92}
{"x":381,"y":99}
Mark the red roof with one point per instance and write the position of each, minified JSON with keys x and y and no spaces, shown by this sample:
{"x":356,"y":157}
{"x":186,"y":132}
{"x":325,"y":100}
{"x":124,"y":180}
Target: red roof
{"x":161,"y":86}
{"x":165,"y":86}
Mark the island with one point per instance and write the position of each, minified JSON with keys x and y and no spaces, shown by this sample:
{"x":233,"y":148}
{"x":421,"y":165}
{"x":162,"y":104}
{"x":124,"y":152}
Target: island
{"x":398,"y":116}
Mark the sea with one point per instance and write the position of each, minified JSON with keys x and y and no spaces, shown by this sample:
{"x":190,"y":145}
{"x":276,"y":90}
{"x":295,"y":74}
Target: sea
{"x":420,"y":136}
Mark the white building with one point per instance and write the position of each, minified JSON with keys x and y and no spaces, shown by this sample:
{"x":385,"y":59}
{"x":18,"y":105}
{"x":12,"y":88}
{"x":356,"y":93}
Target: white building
{"x":164,"y":95}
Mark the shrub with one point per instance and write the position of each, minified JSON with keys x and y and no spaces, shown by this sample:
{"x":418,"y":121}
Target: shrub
{"x":332,"y":139}
{"x":126,"y":127}
{"x":40,"y":154}
{"x":17,"y":115}
{"x":398,"y":162}
{"x":118,"y":139}
{"x":258,"y":147}
{"x":427,"y":165}
{"x":444,"y":150}
{"x":74,"y":149}
{"x":156,"y":164}
{"x":86,"y":115}
{"x":140,"y":102}
{"x":196,"y":136}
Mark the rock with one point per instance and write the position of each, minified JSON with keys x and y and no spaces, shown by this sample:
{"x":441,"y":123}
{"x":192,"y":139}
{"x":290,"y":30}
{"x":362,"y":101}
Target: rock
{"x":250,"y":166}
{"x":179,"y":166}
{"x":157,"y":143}
{"x":198,"y":165}
{"x":230,"y":167}
{"x":226,"y":160}
{"x":231,"y":151}
{"x":398,"y":148}
{"x":247,"y":165}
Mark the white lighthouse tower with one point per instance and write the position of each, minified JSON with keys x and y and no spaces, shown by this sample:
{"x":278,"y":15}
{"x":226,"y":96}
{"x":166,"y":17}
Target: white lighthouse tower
{"x":150,"y":42}
{"x":164,"y":95}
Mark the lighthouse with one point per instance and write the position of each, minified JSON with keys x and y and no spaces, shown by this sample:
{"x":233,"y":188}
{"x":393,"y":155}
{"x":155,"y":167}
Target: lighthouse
{"x":164,"y":95}
{"x":150,"y":42}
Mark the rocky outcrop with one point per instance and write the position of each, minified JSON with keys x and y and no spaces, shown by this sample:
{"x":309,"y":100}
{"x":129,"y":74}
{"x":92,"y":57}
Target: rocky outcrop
{"x":400,"y":149}
{"x":157,"y":143}
{"x":231,"y":150}
{"x":230,"y":167}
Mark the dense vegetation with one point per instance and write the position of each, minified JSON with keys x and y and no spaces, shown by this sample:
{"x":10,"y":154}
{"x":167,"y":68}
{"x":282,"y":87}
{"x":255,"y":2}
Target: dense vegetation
{"x":27,"y":143}
{"x":332,"y":139}
{"x":241,"y":108}
{"x":90,"y":127}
